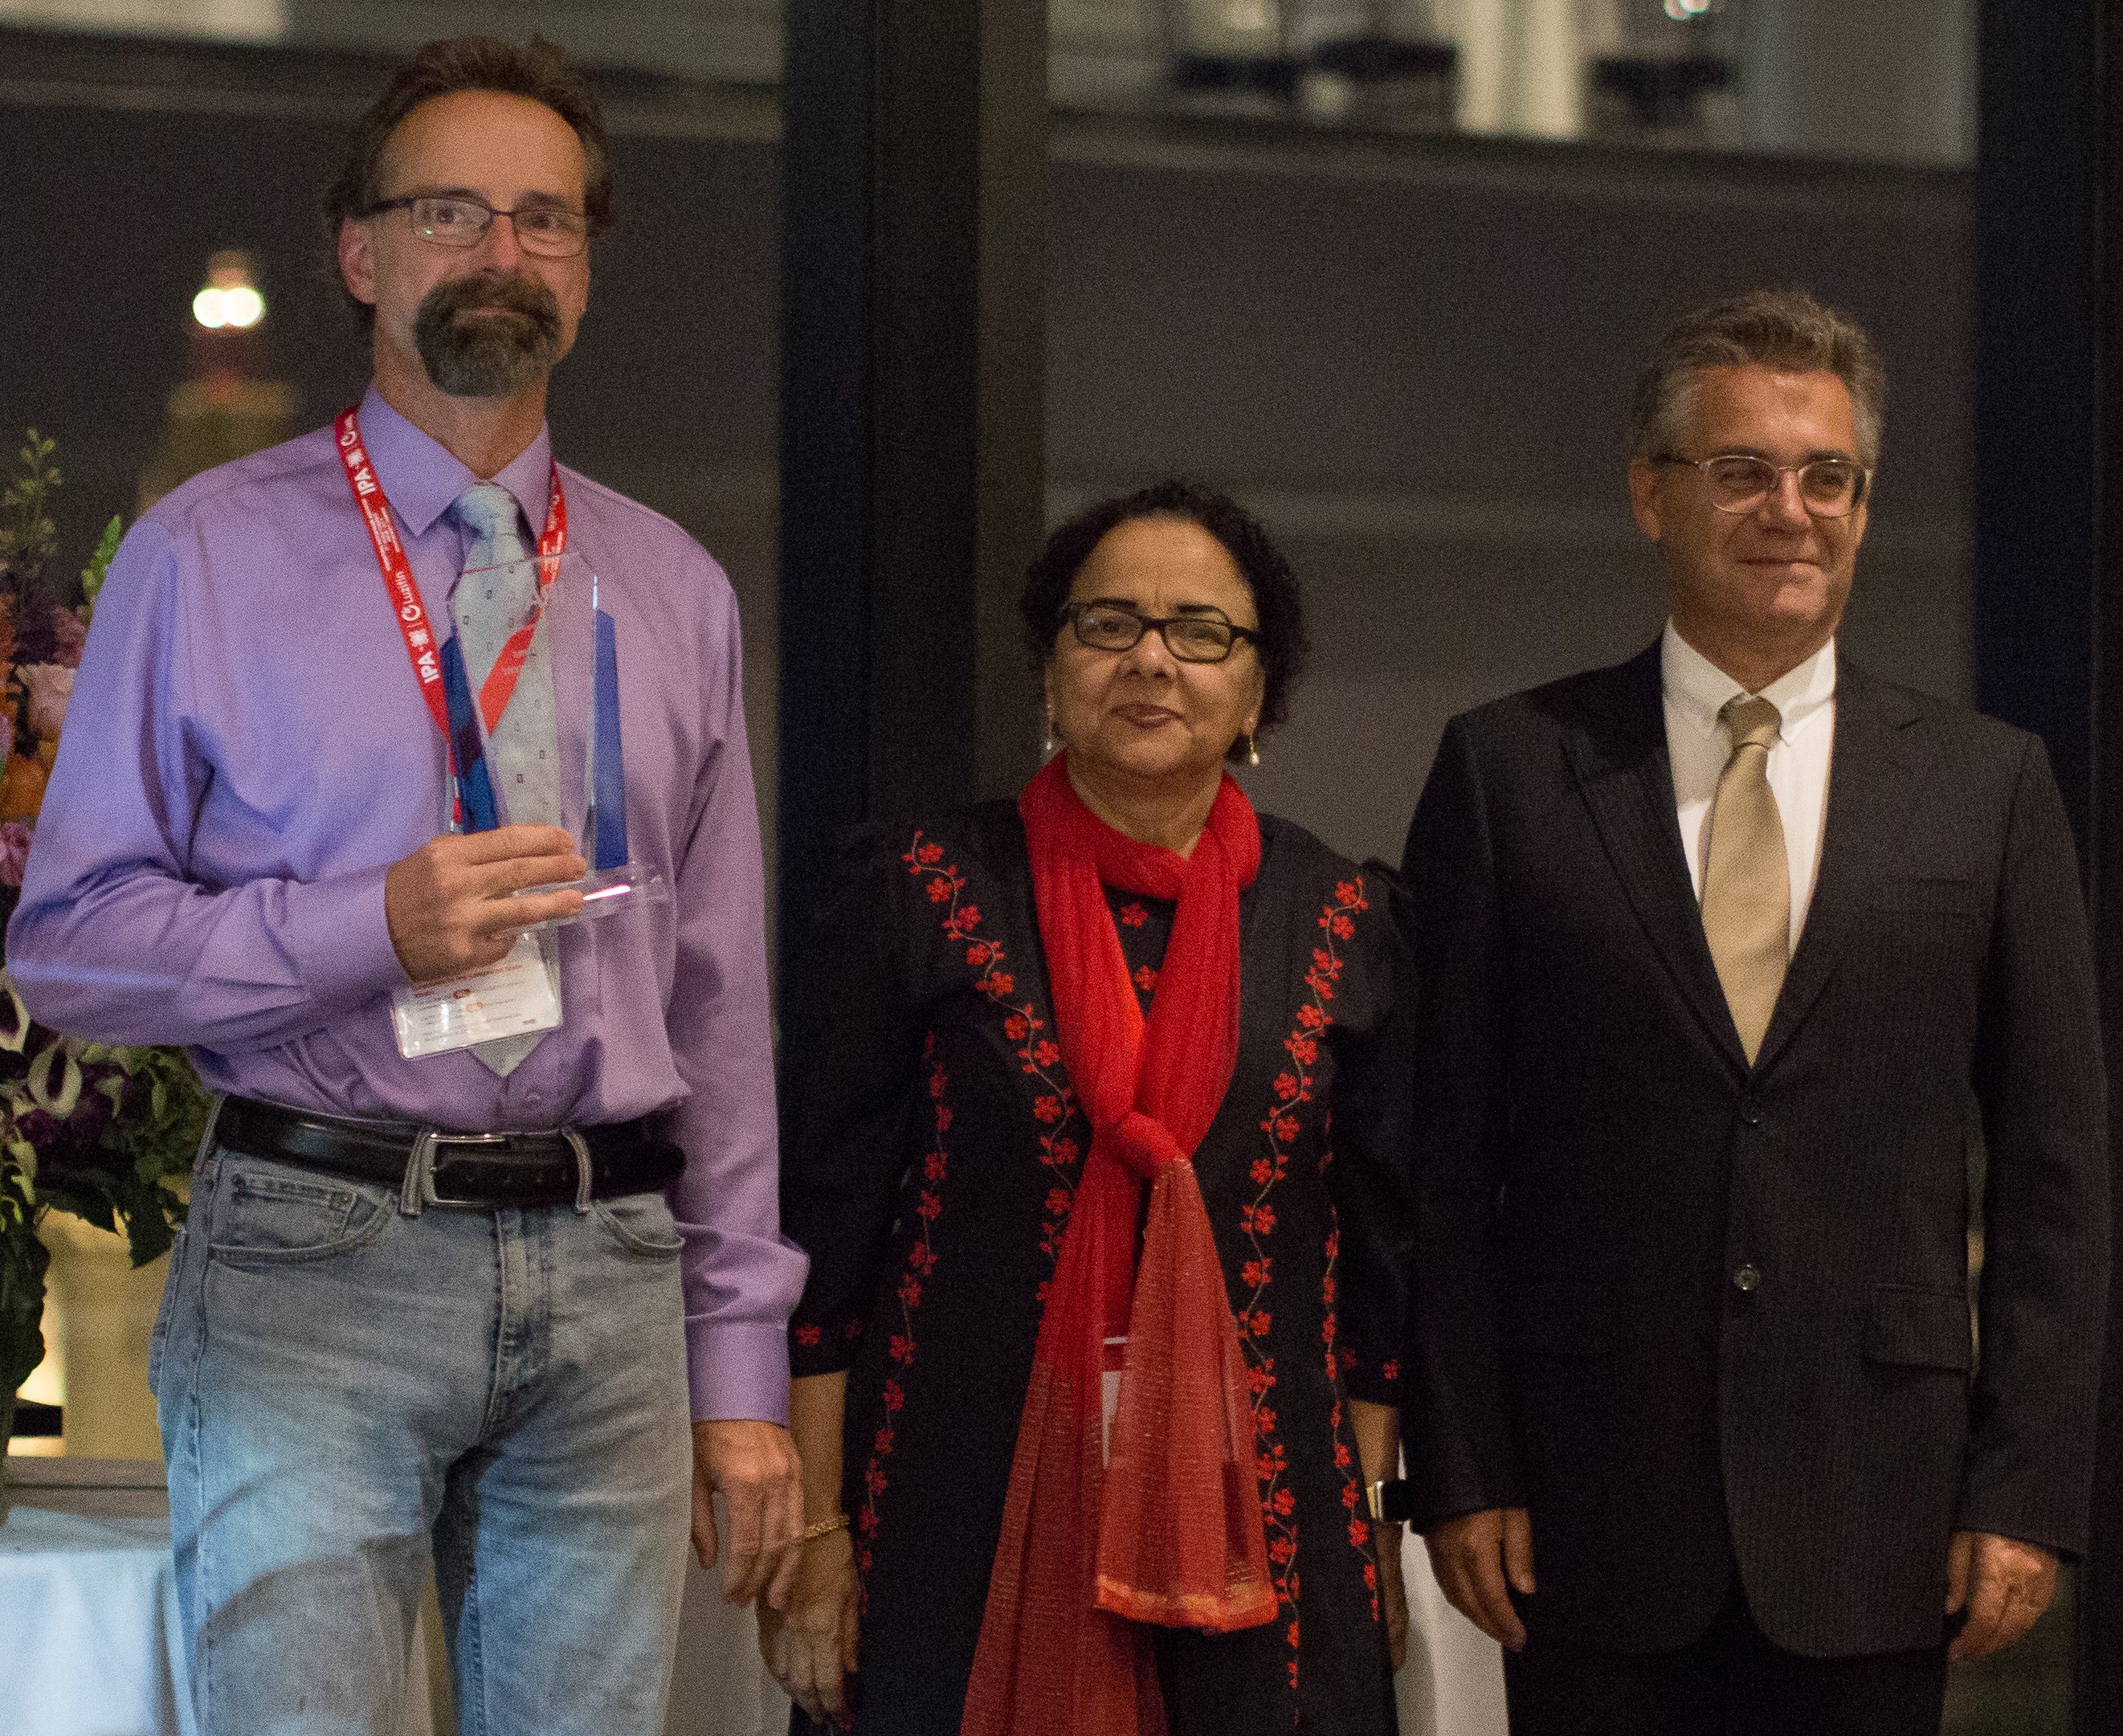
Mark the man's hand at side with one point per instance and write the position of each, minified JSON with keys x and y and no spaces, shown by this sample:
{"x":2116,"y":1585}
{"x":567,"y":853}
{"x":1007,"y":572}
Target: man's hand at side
{"x":2003,"y":1584}
{"x":1474,"y":1556}
{"x":753,"y":1466}
{"x":449,"y":905}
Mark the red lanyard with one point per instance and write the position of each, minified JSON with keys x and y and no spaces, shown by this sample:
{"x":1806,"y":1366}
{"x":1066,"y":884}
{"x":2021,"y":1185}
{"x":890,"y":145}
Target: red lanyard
{"x":420,"y":646}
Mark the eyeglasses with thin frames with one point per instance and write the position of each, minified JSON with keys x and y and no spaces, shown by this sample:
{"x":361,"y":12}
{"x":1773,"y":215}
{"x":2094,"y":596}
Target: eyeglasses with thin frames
{"x":1739,"y":482}
{"x":457,"y":220}
{"x":1107,"y":626}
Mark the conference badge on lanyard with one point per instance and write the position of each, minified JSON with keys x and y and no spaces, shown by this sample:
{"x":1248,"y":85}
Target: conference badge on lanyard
{"x":521,"y":993}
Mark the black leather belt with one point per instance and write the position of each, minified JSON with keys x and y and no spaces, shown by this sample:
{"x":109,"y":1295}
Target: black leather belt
{"x":525,"y":1169}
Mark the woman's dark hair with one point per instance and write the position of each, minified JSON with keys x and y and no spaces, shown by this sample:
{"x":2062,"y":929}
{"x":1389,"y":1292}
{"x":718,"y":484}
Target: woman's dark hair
{"x":1269,"y":575}
{"x":540,"y":72}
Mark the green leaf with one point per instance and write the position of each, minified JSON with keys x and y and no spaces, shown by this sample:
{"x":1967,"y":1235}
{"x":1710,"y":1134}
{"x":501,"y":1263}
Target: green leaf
{"x":91,"y":1207}
{"x":129,"y":1190}
{"x":23,"y":1259}
{"x":99,"y":564}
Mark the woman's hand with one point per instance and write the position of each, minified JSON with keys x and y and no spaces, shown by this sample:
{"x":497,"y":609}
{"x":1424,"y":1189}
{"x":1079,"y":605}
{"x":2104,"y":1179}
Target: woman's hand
{"x":810,"y":1645}
{"x":1393,"y":1591}
{"x":1377,"y":1430}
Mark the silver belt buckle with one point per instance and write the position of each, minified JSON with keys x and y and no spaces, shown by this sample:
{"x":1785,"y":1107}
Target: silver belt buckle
{"x":423,"y":1165}
{"x":423,"y":1160}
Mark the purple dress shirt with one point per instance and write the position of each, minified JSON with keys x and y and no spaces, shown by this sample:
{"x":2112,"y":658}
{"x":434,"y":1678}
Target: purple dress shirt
{"x":247,"y":752}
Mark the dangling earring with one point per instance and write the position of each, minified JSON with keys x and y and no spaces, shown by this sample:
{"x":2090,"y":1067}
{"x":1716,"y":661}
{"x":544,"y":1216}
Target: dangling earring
{"x":1047,"y":741}
{"x":1252,"y":753}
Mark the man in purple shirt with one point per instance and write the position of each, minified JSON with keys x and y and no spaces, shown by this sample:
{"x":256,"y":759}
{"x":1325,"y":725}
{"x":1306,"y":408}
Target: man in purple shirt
{"x":383,"y":1343}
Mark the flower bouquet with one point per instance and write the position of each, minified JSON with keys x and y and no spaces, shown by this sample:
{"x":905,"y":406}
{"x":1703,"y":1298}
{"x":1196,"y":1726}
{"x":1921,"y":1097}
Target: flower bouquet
{"x":85,"y":1128}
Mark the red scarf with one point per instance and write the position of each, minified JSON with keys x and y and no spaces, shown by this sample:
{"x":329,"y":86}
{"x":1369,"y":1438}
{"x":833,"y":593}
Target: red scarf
{"x":1167,"y":1530}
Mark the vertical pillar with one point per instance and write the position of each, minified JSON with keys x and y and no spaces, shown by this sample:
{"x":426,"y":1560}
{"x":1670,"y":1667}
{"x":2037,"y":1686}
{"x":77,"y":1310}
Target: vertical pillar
{"x":2048,"y":551}
{"x":2101,"y":1617}
{"x":913,"y":386}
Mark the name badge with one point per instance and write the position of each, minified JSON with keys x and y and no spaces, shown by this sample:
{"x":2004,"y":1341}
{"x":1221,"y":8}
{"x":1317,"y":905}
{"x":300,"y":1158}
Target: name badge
{"x":508,"y":999}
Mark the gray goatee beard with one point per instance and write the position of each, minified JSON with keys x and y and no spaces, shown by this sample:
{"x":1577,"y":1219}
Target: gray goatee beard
{"x":495,"y":355}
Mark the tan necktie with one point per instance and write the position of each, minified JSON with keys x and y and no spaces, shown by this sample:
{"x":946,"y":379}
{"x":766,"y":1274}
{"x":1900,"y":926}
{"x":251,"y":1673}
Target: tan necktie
{"x":1747,"y":883}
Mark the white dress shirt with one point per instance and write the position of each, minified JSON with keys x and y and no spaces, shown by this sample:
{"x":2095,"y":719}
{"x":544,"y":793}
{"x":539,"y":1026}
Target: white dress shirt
{"x":1696,"y":690}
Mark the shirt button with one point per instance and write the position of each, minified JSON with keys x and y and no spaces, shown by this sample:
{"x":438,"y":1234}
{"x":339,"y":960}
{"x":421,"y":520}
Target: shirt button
{"x":1750,"y":1112}
{"x":1746,"y":1278}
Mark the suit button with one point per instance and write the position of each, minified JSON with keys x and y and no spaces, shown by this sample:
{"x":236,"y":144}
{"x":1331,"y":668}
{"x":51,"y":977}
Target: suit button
{"x":1750,"y":1112}
{"x":1747,"y":1278}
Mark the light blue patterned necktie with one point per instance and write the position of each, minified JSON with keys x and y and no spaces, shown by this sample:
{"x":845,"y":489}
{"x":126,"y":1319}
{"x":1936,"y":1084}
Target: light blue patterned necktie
{"x":494,"y":597}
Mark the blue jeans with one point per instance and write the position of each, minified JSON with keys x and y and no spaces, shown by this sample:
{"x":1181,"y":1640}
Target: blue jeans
{"x":348,"y":1381}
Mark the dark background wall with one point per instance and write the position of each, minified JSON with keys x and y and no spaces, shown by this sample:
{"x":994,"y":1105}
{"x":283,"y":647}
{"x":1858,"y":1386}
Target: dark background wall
{"x":1412,"y":357}
{"x":1416,"y":362}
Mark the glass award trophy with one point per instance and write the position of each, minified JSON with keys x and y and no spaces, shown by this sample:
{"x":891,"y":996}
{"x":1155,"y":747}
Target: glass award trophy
{"x":580,"y":643}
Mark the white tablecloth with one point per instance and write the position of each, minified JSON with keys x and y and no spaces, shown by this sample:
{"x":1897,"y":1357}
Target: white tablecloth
{"x":90,"y":1644}
{"x":89,"y":1639}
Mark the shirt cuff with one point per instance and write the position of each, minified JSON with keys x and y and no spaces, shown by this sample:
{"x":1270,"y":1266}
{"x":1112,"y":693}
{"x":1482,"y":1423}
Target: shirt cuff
{"x":337,"y":935}
{"x":738,"y":1372}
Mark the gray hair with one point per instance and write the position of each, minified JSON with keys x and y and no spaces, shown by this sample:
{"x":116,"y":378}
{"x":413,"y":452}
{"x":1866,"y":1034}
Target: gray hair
{"x":1785,"y":329}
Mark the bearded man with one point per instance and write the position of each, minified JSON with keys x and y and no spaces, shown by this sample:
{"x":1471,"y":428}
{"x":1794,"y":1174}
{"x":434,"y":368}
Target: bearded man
{"x":483,"y":1197}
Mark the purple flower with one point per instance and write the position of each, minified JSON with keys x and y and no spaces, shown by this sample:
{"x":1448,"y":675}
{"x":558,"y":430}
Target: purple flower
{"x":69,"y":634}
{"x":14,"y":852}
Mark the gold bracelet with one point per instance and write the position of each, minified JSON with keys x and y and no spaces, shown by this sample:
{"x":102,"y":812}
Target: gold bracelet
{"x":825,"y":1528}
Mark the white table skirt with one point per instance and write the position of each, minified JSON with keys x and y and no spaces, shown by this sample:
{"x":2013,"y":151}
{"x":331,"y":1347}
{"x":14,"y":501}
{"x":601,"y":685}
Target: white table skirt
{"x":91,"y":1642}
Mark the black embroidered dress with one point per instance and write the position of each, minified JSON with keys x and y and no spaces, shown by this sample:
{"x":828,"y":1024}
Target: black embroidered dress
{"x":931,"y":1144}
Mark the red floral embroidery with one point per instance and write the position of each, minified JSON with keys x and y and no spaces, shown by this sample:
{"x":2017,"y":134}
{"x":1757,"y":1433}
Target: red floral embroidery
{"x":1037,"y":1053}
{"x":900,"y":1345}
{"x":1282,"y":1125}
{"x":1145,"y":979}
{"x":1345,"y":1461}
{"x":810,"y":1337}
{"x":1134,"y":915}
{"x":1338,"y":922}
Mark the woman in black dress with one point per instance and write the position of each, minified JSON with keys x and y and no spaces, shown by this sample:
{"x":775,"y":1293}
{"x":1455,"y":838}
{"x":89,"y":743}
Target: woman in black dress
{"x":1092,"y":1486}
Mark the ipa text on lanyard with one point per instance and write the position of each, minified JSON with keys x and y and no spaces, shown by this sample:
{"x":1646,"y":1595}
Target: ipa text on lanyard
{"x":439,"y":667}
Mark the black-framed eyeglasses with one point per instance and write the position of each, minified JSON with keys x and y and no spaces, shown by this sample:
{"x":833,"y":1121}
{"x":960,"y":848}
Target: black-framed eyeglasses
{"x":457,"y":220}
{"x":1107,"y":626}
{"x":1739,"y":482}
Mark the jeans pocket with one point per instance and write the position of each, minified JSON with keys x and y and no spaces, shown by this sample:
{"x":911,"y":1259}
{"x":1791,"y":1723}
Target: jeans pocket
{"x":273,"y":1214}
{"x":162,"y":1332}
{"x":643,"y":1224}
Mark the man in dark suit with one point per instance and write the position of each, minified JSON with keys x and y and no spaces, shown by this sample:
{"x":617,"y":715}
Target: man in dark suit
{"x":1729,"y":956}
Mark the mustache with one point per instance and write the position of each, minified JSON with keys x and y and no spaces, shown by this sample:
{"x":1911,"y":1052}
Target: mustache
{"x":517,"y":294}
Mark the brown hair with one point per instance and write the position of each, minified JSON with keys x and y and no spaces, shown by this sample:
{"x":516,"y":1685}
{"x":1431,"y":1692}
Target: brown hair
{"x":539,"y":72}
{"x":1770,"y":328}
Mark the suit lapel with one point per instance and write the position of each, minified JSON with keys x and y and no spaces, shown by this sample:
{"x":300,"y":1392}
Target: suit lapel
{"x":1619,"y":755}
{"x":1869,"y":792}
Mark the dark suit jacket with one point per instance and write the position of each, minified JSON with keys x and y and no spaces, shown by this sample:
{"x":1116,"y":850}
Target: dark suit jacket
{"x":1702,"y":1318}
